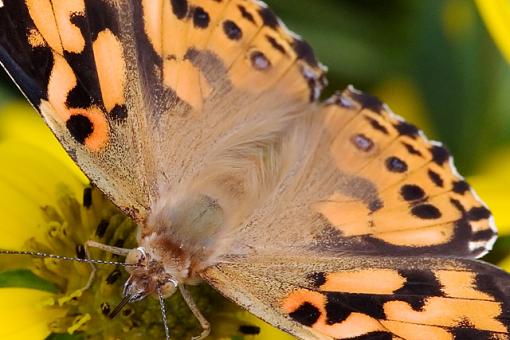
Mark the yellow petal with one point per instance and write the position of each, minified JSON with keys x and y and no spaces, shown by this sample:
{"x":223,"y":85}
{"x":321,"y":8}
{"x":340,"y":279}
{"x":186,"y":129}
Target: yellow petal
{"x":496,"y":14}
{"x":30,"y":179}
{"x":20,"y":122}
{"x":33,"y":169}
{"x":493,"y":185}
{"x":266,"y":330}
{"x":25,"y":318}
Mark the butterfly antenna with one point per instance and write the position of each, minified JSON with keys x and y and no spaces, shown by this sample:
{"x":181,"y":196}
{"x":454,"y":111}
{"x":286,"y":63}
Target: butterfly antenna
{"x":64,"y":258}
{"x":163,"y":313}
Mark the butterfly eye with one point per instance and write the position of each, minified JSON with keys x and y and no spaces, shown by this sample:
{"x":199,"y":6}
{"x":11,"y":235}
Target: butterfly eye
{"x":136,"y":256}
{"x":168,"y":288}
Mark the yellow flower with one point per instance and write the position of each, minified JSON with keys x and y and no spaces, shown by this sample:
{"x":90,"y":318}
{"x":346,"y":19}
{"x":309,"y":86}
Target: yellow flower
{"x":47,"y":205}
{"x":496,"y":14}
{"x":29,"y":177}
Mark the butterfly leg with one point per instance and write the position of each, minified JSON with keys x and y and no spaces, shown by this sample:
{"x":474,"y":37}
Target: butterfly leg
{"x":193,"y":307}
{"x":93,"y":269}
{"x":107,"y":248}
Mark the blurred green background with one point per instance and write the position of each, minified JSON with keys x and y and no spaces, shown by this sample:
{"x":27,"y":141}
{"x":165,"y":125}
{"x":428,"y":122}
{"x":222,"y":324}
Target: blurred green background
{"x":437,"y":54}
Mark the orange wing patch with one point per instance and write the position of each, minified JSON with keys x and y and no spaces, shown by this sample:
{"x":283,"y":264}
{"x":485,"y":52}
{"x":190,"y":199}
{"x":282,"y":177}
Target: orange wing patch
{"x":87,"y":126}
{"x":404,"y":303}
{"x":87,"y":79}
{"x":53,"y":21}
{"x":62,"y":81}
{"x":397,"y":187}
{"x":111,"y":69}
{"x":152,"y":23}
{"x":363,"y":280}
{"x":225,"y":44}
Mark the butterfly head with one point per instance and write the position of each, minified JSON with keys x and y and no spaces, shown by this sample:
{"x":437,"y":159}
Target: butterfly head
{"x":148,"y":277}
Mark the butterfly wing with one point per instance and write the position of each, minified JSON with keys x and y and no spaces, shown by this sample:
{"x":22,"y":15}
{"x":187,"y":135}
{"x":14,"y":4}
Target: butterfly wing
{"x":70,"y":61}
{"x":362,"y":236}
{"x":369,"y":183}
{"x":371,"y":297}
{"x":139,"y":91}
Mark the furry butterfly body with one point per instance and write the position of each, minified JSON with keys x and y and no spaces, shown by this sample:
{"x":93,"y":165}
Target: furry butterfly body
{"x":201,"y":120}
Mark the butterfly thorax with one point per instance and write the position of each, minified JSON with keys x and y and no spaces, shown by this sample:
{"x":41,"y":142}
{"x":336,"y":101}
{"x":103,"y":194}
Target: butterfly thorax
{"x":184,"y":235}
{"x":196,"y":222}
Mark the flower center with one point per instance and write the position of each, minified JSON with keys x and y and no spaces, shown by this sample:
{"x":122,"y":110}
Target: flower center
{"x":87,"y":299}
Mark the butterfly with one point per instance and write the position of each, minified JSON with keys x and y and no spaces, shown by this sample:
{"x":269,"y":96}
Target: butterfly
{"x":202,"y":121}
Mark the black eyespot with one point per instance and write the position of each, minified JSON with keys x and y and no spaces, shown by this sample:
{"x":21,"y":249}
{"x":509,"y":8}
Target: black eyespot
{"x":306,"y":314}
{"x":179,"y":8}
{"x":259,"y":61}
{"x":200,"y":18}
{"x":460,"y":187}
{"x":435,"y":178}
{"x":411,"y":149}
{"x":407,"y":129}
{"x":395,"y":164}
{"x":245,"y":14}
{"x":80,"y":127}
{"x":362,"y":142}
{"x":368,"y":101}
{"x":411,"y":192}
{"x":478,"y":213}
{"x":305,"y":52}
{"x":275,"y":44}
{"x":232,"y":31}
{"x":376,"y":125}
{"x":426,"y":211}
{"x":268,"y":17}
{"x":439,"y":154}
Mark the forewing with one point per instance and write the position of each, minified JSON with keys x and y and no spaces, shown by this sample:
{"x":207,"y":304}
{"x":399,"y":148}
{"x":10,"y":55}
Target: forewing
{"x":139,"y":92}
{"x":230,"y":71}
{"x":370,"y":183}
{"x":371,"y":297}
{"x":72,"y":60}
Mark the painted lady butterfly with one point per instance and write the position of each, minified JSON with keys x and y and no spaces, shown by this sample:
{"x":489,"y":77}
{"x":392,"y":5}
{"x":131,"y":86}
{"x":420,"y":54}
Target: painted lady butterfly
{"x":201,"y":120}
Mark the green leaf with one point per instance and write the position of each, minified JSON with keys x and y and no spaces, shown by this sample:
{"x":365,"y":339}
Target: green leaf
{"x":24,"y":278}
